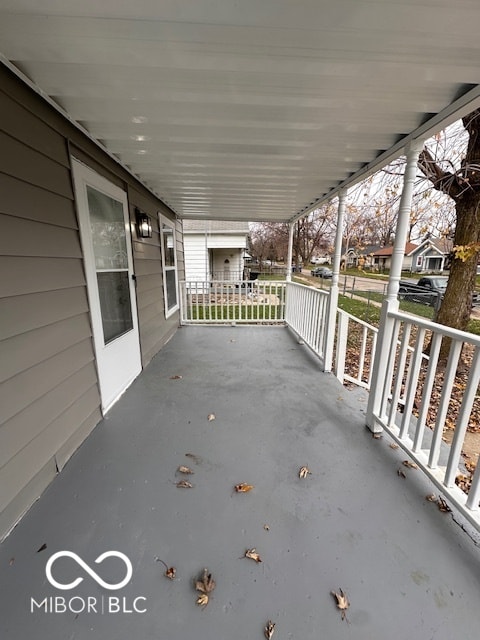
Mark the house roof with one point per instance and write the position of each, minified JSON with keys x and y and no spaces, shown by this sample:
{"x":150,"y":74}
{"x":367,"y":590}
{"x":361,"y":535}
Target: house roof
{"x":388,"y":251}
{"x":249,"y":110}
{"x":439,"y":245}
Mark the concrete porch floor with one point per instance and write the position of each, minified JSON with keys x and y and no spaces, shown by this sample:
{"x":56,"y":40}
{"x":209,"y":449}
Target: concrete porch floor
{"x":409,"y":570}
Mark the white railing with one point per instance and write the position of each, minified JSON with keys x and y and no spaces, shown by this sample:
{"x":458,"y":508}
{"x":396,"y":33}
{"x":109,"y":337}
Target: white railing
{"x":354,"y":350}
{"x":416,"y":396}
{"x":306,"y":313}
{"x":225,"y":302}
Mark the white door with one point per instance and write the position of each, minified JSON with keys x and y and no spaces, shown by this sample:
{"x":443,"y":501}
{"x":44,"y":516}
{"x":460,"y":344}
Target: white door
{"x":105,"y":234}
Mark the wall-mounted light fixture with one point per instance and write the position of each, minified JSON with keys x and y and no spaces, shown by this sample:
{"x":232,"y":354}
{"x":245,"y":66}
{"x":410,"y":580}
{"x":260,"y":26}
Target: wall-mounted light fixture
{"x":144,"y":224}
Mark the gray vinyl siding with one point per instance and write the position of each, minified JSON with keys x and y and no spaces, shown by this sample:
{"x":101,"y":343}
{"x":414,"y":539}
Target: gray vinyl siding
{"x":47,"y":369}
{"x":154,"y":328}
{"x":49,"y":396}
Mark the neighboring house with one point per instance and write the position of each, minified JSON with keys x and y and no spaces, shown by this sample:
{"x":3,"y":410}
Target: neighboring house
{"x":432,"y":255}
{"x":85,"y":300}
{"x":382,"y":258}
{"x":361,"y":257}
{"x":214,"y":250}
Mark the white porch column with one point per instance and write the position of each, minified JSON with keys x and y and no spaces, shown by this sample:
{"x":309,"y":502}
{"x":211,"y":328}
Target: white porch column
{"x":390,"y":302}
{"x":333,"y":298}
{"x":290,"y":251}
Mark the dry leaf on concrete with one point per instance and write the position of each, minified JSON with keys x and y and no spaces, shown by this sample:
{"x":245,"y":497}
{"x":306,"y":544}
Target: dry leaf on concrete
{"x":377,"y":436}
{"x":269,"y":629}
{"x":243,"y":487}
{"x":442,"y":505}
{"x":304,"y":472}
{"x":401,"y":473}
{"x":184,"y":484}
{"x":170,"y":572}
{"x":176,"y":377}
{"x":205,"y":584}
{"x":342,"y":602}
{"x":410,"y":465}
{"x":431,"y":497}
{"x":253,"y":555}
{"x":183,"y":469}
{"x":202,"y":600}
{"x":211,"y":416}
{"x":394,"y":445}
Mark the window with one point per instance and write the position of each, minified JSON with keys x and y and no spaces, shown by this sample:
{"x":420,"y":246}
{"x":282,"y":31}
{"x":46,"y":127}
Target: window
{"x":169,"y":265}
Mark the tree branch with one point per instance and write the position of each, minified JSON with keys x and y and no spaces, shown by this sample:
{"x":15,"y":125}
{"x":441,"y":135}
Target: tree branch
{"x":441,"y":180}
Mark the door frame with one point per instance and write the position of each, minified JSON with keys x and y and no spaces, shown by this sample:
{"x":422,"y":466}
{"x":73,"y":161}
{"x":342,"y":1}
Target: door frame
{"x":112,"y":383}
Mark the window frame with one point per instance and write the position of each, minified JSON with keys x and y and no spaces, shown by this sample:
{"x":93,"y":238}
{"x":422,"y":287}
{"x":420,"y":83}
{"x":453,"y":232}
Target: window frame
{"x":166,"y":268}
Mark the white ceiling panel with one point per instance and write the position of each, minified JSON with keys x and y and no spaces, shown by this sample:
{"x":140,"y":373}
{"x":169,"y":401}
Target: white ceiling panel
{"x":255,"y":109}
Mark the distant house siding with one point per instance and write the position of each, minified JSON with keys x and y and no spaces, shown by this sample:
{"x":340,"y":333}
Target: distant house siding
{"x":49,"y":396}
{"x":206,"y":253}
{"x":197,"y":266}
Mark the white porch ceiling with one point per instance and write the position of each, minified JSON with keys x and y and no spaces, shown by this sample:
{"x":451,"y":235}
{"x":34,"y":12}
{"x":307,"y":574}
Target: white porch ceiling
{"x":249,"y":109}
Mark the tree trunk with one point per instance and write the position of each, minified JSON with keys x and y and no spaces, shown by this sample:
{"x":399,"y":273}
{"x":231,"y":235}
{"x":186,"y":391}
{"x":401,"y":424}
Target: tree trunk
{"x":457,"y":304}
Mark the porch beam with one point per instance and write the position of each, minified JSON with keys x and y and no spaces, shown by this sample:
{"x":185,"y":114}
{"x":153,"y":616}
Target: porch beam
{"x":390,"y":303}
{"x":333,"y":298}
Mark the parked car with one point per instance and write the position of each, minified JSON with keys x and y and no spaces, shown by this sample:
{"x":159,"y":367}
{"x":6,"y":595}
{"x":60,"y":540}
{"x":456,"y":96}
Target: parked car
{"x":427,"y":290}
{"x":322,"y":272}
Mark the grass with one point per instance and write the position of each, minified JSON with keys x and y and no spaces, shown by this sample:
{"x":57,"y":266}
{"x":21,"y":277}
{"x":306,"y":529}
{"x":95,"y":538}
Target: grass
{"x":366,"y":312}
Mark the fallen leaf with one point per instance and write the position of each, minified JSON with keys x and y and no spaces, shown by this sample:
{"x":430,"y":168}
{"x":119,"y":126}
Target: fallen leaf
{"x":377,"y":436}
{"x":410,"y":465}
{"x":394,"y":445}
{"x":243,"y":488}
{"x":431,"y":497}
{"x":442,"y":505}
{"x":266,"y":527}
{"x":183,"y":469}
{"x":269,"y":629}
{"x":205,"y":584}
{"x":304,"y":472}
{"x":170,"y":572}
{"x":253,"y":555}
{"x":202,"y":600}
{"x":211,"y":416}
{"x":176,"y":377}
{"x":184,"y":484}
{"x":401,"y":473}
{"x":342,"y":602}
{"x":42,"y":548}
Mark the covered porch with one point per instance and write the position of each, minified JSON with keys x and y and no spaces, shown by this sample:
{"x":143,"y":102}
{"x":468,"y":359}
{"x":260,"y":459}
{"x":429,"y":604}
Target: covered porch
{"x":355,"y":523}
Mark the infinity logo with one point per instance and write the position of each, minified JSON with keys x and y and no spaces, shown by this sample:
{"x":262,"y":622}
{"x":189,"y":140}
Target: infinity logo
{"x":91,"y":573}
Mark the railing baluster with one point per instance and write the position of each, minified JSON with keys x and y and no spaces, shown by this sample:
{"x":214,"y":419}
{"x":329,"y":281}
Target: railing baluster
{"x":448,"y":381}
{"x":413,"y":370}
{"x":389,"y":370}
{"x":427,"y":391}
{"x":462,"y":420}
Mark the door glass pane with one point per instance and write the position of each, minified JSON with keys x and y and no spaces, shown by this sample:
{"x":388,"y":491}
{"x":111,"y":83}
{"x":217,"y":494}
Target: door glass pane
{"x":108,"y":230}
{"x":114,"y":291}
